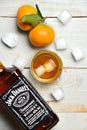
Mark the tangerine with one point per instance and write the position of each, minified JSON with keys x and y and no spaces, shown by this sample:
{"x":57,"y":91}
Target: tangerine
{"x":22,"y":11}
{"x":41,"y":35}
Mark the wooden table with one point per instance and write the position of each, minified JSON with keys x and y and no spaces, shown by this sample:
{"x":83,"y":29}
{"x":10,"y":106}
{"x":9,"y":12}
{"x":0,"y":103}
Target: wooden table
{"x":72,"y":109}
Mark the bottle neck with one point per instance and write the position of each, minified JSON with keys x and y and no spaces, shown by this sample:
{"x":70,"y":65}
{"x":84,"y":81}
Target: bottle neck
{"x":1,"y":67}
{"x":8,"y":76}
{"x":6,"y":73}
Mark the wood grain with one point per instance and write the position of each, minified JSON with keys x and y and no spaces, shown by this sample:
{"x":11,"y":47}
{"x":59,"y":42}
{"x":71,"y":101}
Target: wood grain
{"x":49,"y":7}
{"x":75,"y":34}
{"x":72,"y":109}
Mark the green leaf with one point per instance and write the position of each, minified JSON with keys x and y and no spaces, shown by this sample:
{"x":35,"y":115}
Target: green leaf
{"x":39,"y":12}
{"x":32,"y":19}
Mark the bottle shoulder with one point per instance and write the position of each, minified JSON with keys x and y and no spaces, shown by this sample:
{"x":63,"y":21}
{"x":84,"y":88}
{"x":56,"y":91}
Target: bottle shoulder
{"x":7,"y":72}
{"x":7,"y":77}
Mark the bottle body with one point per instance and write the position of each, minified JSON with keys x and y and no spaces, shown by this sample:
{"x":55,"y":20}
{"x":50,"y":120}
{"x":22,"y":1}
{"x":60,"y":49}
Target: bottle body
{"x":24,"y":102}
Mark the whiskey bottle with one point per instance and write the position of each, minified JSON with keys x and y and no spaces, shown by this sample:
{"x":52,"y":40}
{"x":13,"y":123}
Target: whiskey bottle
{"x":23,"y":101}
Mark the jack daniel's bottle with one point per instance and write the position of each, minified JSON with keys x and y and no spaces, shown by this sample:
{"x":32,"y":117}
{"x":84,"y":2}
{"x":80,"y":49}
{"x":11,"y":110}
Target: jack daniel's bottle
{"x":23,"y":102}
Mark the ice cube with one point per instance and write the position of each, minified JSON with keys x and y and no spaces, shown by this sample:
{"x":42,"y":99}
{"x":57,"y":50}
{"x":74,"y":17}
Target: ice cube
{"x":60,"y":43}
{"x":78,"y":54}
{"x":40,"y":70}
{"x":20,"y":62}
{"x":10,"y":39}
{"x":50,"y":65}
{"x":64,"y":17}
{"x":58,"y":93}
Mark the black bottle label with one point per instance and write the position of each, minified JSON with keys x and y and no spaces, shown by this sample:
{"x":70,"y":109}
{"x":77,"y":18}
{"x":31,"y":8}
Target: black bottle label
{"x":23,"y":101}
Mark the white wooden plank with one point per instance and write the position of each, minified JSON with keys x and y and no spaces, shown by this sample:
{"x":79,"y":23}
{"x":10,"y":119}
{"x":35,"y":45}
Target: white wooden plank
{"x":71,"y":121}
{"x":75,"y":33}
{"x":73,"y":82}
{"x":8,"y":55}
{"x":49,"y":8}
{"x":74,"y":77}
